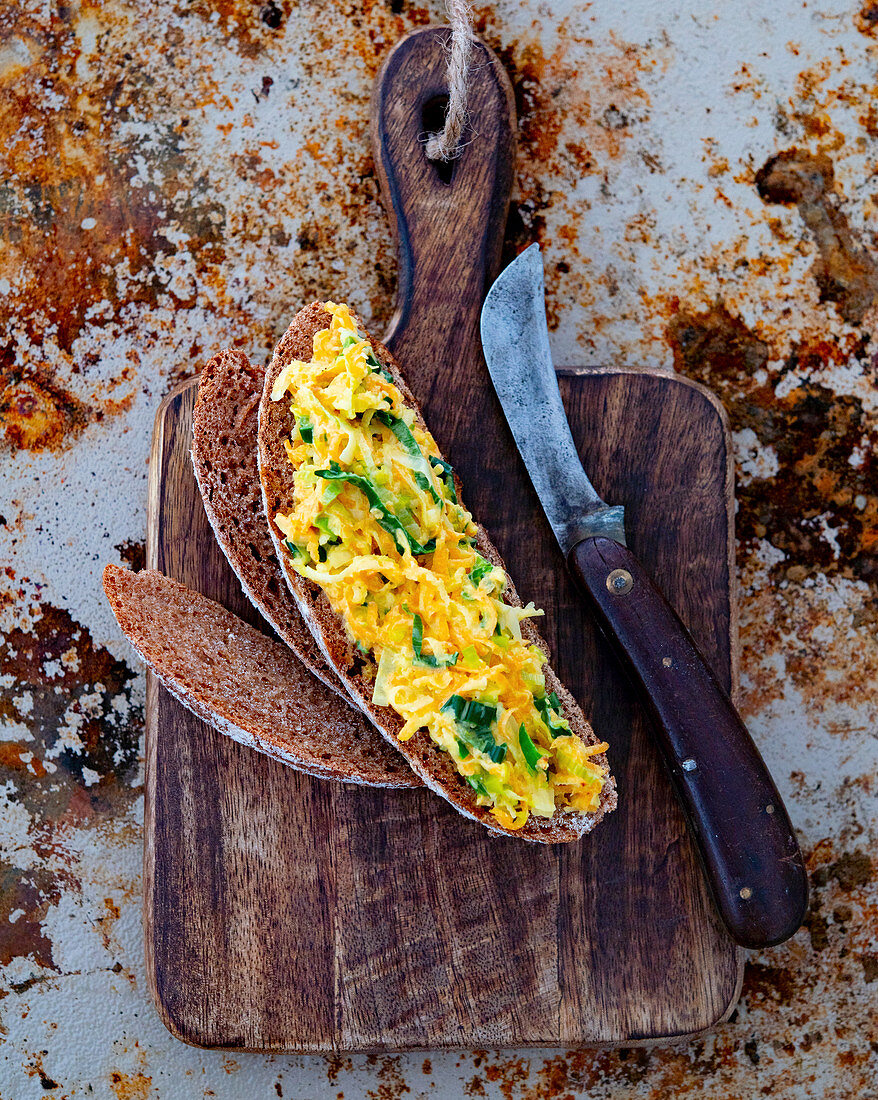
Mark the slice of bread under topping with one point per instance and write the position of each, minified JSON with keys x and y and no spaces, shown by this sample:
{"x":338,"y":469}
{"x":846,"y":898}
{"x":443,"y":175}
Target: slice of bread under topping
{"x":276,"y":424}
{"x":247,"y":686}
{"x":224,"y":459}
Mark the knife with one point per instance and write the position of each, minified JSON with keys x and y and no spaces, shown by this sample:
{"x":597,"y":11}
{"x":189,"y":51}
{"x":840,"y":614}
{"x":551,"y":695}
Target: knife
{"x":743,"y":833}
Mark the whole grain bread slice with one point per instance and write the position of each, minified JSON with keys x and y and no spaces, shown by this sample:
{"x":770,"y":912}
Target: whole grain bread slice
{"x":224,"y":427}
{"x":433,"y":766}
{"x":247,"y":686}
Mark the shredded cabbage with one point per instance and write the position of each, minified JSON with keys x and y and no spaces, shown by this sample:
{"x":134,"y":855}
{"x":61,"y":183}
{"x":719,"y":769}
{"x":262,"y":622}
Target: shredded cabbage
{"x":377,"y":525}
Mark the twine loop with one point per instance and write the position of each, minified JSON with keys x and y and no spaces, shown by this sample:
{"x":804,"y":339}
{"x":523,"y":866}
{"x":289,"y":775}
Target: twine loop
{"x":446,"y":145}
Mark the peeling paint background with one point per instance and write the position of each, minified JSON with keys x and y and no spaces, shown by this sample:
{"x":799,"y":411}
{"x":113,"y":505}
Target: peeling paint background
{"x":177,"y":177}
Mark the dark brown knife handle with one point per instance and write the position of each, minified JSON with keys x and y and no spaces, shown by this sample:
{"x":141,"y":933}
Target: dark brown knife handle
{"x":744,"y":835}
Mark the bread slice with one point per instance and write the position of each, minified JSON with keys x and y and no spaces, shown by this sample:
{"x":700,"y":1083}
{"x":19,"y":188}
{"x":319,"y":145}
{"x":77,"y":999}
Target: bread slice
{"x":276,"y":423}
{"x":247,"y":686}
{"x":224,"y":459}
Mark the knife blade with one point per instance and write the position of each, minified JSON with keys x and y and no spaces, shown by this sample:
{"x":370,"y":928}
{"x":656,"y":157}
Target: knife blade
{"x":740,"y":825}
{"x":514,"y":329}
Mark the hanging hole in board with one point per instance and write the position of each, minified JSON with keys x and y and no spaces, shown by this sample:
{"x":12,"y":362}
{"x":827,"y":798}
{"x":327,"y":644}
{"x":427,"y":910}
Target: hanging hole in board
{"x":432,"y":121}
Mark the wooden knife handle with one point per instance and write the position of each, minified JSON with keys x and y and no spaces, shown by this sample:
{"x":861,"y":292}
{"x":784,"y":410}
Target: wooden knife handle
{"x":744,"y":835}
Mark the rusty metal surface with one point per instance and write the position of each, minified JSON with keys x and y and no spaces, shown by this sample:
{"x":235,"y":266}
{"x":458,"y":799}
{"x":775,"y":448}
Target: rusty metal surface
{"x":178,"y":175}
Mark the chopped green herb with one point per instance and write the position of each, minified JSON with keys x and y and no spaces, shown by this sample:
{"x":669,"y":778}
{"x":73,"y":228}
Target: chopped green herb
{"x":322,"y":524}
{"x":385,"y":517}
{"x":469,"y":658}
{"x":306,"y":429}
{"x":447,"y":476}
{"x":558,"y":727}
{"x":501,"y":640}
{"x":293,"y":549}
{"x":480,"y":570}
{"x":469,"y":712}
{"x":410,"y":445}
{"x":464,"y":751}
{"x":477,"y":785}
{"x":474,"y":720}
{"x":531,"y":753}
{"x":331,"y":491}
{"x":426,"y":658}
{"x":373,"y":362}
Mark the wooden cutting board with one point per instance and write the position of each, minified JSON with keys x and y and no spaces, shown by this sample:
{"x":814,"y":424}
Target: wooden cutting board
{"x":284,"y":913}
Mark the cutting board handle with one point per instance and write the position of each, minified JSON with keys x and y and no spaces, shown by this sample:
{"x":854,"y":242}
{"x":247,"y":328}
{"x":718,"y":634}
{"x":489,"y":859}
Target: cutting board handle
{"x":448,"y":218}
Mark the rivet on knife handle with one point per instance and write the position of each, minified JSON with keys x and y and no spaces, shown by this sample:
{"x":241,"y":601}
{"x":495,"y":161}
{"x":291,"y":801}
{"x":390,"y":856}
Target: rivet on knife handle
{"x":744,"y":835}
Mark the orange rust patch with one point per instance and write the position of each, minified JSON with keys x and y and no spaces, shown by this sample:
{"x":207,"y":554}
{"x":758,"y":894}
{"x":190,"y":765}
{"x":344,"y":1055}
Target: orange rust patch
{"x":125,"y":1086}
{"x":71,"y":685}
{"x":36,"y":1069}
{"x":25,"y":897}
{"x":845,"y":273}
{"x":813,"y":431}
{"x":81,"y":232}
{"x":19,"y":757}
{"x":249,"y":26}
{"x":866,"y":19}
{"x":104,"y":923}
{"x":38,"y":415}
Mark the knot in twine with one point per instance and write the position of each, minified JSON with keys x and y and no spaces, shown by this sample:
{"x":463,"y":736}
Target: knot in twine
{"x":446,"y":144}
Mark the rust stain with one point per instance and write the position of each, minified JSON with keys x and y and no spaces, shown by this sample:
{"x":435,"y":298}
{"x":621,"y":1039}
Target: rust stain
{"x":866,"y":19}
{"x":845,"y":273}
{"x":814,"y":433}
{"x":18,"y":757}
{"x":851,"y":870}
{"x":130,"y":1086}
{"x":25,"y":897}
{"x":105,"y":922}
{"x":37,"y":414}
{"x":133,"y":553}
{"x":74,"y":698}
{"x":36,"y":1069}
{"x":391,"y":1081}
{"x":82,"y":231}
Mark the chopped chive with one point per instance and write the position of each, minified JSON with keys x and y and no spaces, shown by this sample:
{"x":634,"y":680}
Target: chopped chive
{"x":531,"y":753}
{"x":447,"y":476}
{"x":557,"y":727}
{"x":474,"y":720}
{"x":477,"y":785}
{"x":410,"y":445}
{"x":480,"y":570}
{"x":385,"y":517}
{"x":426,"y":658}
{"x":306,"y":429}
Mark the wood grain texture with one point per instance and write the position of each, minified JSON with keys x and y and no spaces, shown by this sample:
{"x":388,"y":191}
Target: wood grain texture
{"x":286,"y":913}
{"x":289,"y":914}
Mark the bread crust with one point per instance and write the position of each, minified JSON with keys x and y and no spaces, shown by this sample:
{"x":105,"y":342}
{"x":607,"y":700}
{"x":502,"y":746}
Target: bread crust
{"x":224,"y":426}
{"x":431,"y":764}
{"x":247,"y":686}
